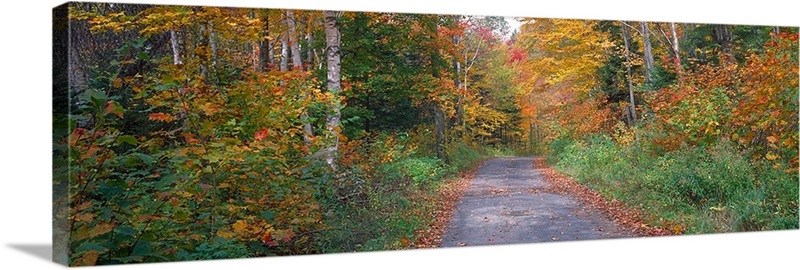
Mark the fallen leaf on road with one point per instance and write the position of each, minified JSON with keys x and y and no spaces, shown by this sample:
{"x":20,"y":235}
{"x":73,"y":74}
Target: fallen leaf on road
{"x":627,"y":218}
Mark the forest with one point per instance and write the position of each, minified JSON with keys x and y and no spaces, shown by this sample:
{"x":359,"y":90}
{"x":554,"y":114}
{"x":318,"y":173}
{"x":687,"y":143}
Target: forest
{"x":192,"y":133}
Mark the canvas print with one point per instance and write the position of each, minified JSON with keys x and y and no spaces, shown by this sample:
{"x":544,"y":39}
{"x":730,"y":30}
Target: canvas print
{"x":197,"y":133}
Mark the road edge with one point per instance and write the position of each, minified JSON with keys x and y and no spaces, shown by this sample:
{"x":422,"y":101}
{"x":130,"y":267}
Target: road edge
{"x":625,"y":217}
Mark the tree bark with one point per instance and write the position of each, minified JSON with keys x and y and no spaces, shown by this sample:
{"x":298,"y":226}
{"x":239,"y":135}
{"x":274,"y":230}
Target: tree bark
{"x":212,"y":41}
{"x":722,"y":35}
{"x":203,"y":56}
{"x":456,"y":73}
{"x":628,"y":69}
{"x":78,"y":79}
{"x":310,"y":50}
{"x":297,"y":62}
{"x":264,"y":46}
{"x":676,"y":48}
{"x":284,"y":52}
{"x":333,"y":119}
{"x":438,"y":123}
{"x":648,"y":51}
{"x":176,"y":55}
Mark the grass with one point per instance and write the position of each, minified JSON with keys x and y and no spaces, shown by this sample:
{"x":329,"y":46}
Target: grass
{"x":391,"y":203}
{"x":694,"y":190}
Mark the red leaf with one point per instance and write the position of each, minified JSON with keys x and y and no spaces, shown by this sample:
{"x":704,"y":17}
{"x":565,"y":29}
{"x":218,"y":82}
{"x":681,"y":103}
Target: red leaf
{"x":261,"y":134}
{"x":267,"y":239}
{"x":190,"y":138}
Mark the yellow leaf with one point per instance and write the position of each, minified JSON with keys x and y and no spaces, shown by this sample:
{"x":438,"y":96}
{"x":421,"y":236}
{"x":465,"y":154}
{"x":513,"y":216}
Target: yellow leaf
{"x":239,"y":226}
{"x":90,"y":258}
{"x":771,"y":156}
{"x":225,"y":234}
{"x":117,"y":83}
{"x":94,"y":231}
{"x":85,"y":217}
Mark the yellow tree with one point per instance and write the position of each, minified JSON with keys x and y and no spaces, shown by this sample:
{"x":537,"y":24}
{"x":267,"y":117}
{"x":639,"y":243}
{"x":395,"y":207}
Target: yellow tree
{"x":563,"y":59}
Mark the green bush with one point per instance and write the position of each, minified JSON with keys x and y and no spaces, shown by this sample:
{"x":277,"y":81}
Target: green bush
{"x":462,"y":156}
{"x":713,"y":189}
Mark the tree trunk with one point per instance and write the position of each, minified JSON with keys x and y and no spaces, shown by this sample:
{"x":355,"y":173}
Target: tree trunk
{"x":333,"y":119}
{"x":438,"y":123}
{"x":176,"y":55}
{"x":78,"y":79}
{"x":648,"y":51}
{"x":459,"y":99}
{"x":284,"y":52}
{"x":264,"y":48}
{"x":297,"y":62}
{"x":212,"y":41}
{"x":628,"y":69}
{"x":271,"y":54}
{"x":676,"y":48}
{"x":310,"y":43}
{"x":203,"y":56}
{"x":722,"y":35}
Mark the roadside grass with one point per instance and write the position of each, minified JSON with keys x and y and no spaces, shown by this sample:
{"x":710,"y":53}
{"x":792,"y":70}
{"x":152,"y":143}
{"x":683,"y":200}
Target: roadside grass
{"x":383,"y":207}
{"x":690,"y":190}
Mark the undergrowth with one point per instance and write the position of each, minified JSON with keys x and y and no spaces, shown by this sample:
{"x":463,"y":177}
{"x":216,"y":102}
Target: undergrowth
{"x":691,"y":189}
{"x":386,"y":196}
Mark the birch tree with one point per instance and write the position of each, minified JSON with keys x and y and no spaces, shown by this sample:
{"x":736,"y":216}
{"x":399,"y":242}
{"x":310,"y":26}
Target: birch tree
{"x":632,"y":106}
{"x":333,"y":119}
{"x":297,"y":62}
{"x":648,"y":51}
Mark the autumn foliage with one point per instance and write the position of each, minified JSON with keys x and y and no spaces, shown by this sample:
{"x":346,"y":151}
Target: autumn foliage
{"x":189,"y":136}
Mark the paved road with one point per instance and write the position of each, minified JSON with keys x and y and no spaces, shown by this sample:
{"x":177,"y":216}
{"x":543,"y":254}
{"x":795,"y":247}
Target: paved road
{"x":507,"y":203}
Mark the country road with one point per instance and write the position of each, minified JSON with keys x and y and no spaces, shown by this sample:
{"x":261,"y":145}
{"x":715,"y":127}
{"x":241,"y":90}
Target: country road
{"x":508,"y":202}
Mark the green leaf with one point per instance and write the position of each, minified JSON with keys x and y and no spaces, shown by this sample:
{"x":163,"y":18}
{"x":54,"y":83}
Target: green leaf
{"x":88,"y":245}
{"x":142,"y":248}
{"x":147,"y":159}
{"x":268,"y":216}
{"x":143,"y":56}
{"x":127,"y":139}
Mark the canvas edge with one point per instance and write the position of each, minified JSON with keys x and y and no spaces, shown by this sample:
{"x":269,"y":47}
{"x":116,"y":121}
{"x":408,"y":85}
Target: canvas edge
{"x":60,"y":129}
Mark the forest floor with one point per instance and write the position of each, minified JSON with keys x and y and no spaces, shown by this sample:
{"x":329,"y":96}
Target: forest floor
{"x":520,"y":200}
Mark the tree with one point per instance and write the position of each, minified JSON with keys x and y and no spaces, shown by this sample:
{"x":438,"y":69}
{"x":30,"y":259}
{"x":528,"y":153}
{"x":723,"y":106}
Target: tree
{"x":334,"y":114}
{"x":676,"y":47}
{"x":648,"y":51}
{"x":297,"y":62}
{"x":722,"y":35}
{"x":264,"y":44}
{"x":632,"y":105}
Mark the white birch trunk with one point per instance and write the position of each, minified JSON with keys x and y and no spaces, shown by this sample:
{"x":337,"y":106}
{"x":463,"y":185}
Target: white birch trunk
{"x":333,"y":119}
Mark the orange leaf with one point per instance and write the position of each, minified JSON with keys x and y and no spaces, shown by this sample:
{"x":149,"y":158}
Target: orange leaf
{"x":114,"y":108}
{"x":190,"y":138}
{"x":94,"y":231}
{"x":76,"y":135}
{"x":162,"y":117}
{"x":772,"y":139}
{"x":85,"y":217}
{"x":90,"y":258}
{"x":261,"y":134}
